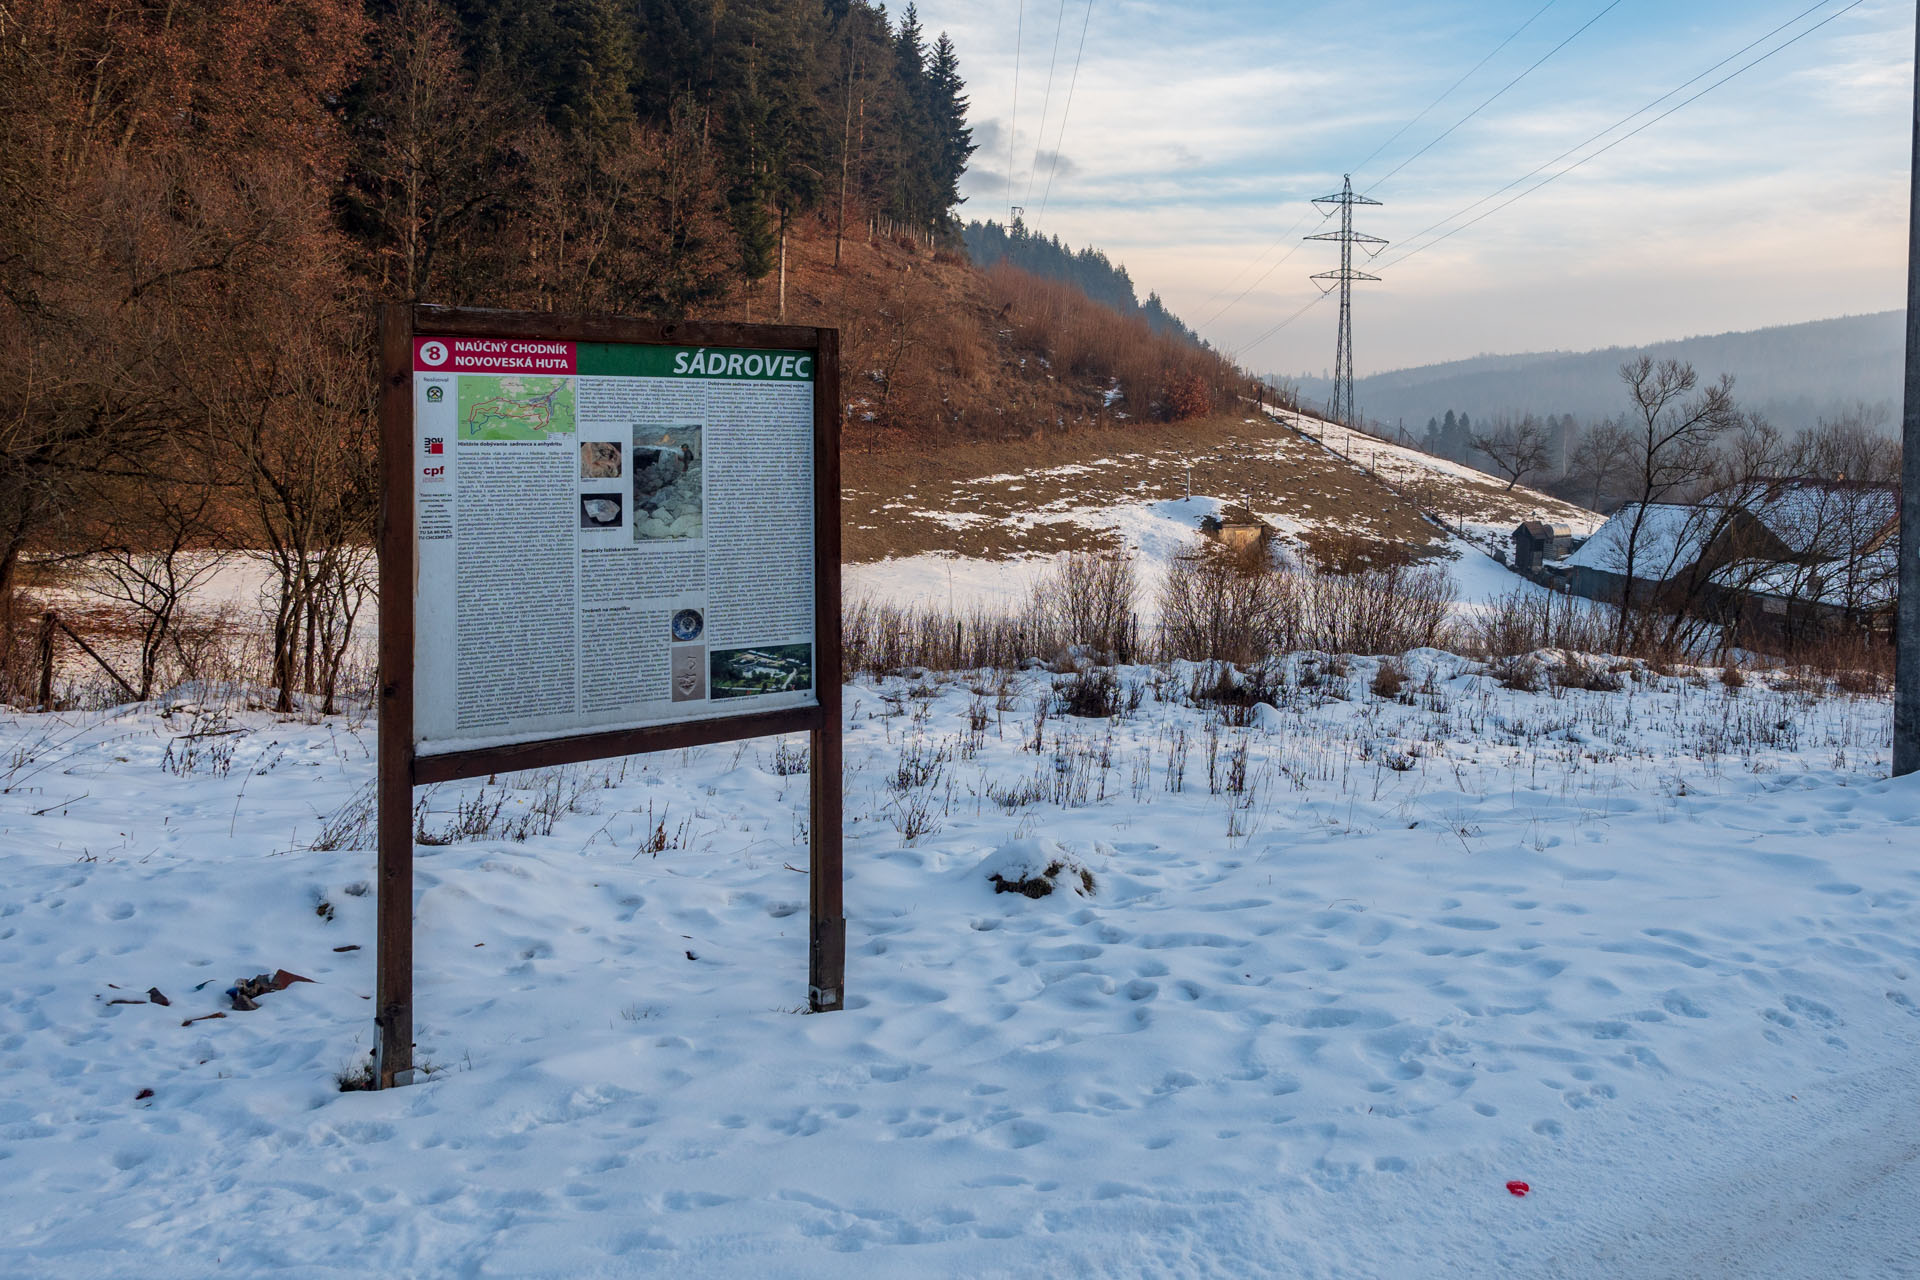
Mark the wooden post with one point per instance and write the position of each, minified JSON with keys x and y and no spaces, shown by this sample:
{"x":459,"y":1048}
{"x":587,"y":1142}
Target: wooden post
{"x":48,"y":622}
{"x":393,"y":958}
{"x":1906,"y":662}
{"x":827,"y":934}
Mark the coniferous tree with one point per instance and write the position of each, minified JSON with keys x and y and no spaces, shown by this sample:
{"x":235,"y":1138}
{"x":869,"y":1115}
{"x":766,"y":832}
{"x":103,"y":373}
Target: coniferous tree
{"x":912,"y":187}
{"x":952,"y":139}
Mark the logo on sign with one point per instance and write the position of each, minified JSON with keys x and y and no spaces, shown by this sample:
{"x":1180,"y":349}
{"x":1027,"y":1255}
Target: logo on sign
{"x":434,"y":393}
{"x":436,"y":444}
{"x":433,"y":353}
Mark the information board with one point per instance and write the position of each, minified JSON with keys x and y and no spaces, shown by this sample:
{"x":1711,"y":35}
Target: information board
{"x":601,"y":535}
{"x":610,"y":535}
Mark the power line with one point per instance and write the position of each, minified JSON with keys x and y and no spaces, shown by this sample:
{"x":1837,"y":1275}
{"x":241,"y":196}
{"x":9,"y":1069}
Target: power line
{"x":1609,"y":8}
{"x":1061,"y":138}
{"x":1287,"y":235}
{"x":1818,"y":4}
{"x":1787,"y":44}
{"x":1344,"y":199}
{"x":1305,"y":307}
{"x":1013,"y":114}
{"x":1046,"y":102}
{"x":1300,"y":222}
{"x":1447,"y":92}
{"x":1397,"y":261}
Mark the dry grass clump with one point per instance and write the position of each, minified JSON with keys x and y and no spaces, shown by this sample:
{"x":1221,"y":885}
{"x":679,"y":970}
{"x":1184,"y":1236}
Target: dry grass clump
{"x":1390,"y":679}
{"x":1240,"y":607}
{"x":1216,"y":606}
{"x":880,"y":639}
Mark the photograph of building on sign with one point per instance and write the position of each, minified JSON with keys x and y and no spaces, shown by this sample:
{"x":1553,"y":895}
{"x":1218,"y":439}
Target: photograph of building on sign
{"x":770,"y":668}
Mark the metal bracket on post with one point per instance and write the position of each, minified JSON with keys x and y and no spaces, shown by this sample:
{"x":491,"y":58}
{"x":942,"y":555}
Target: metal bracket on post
{"x":827,"y":954}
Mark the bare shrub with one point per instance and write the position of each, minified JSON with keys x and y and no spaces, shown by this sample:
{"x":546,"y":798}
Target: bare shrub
{"x":1856,"y":664}
{"x":1088,"y":600}
{"x":884,"y":639}
{"x":1096,"y":694}
{"x":1524,"y":620}
{"x":1579,"y":673}
{"x":1217,"y":606}
{"x":1520,"y":672}
{"x":1378,"y":611}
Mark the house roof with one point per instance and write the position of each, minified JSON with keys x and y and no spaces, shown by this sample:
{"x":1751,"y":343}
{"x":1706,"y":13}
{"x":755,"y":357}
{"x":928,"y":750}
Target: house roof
{"x":1672,"y":537}
{"x":1870,"y":582}
{"x":1824,"y":517}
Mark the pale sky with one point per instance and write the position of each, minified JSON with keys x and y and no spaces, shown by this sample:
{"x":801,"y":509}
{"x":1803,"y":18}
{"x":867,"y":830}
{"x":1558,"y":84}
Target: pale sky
{"x":1197,"y":133}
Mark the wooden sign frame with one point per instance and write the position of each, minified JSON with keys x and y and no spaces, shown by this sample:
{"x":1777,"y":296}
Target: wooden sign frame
{"x":400,"y":769}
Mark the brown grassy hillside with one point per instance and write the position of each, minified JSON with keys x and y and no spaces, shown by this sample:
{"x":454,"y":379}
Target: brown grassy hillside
{"x":936,"y":351}
{"x":994,"y":500}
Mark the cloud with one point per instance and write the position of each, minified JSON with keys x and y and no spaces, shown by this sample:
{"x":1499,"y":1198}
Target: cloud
{"x":1058,"y":164}
{"x":989,"y":136}
{"x":1196,"y":136}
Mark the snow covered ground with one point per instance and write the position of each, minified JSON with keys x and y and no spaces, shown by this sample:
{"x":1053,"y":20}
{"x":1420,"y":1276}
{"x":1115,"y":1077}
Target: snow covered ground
{"x":1154,"y":532}
{"x":1342,"y":974}
{"x":1478,"y":504}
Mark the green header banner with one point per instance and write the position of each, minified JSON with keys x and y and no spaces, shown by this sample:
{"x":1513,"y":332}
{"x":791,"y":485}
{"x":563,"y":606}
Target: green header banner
{"x":632,"y":360}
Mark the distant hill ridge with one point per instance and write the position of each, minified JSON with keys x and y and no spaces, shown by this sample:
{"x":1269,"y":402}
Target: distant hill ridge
{"x":1792,"y":373}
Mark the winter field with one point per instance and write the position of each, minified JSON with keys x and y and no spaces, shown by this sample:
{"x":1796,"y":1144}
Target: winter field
{"x":1344,"y":969}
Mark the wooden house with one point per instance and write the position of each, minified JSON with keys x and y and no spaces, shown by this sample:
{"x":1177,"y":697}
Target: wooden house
{"x":1535,"y":542}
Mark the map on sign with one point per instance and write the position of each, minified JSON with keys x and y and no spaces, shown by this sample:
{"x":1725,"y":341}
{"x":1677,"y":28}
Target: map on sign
{"x":515,"y":407}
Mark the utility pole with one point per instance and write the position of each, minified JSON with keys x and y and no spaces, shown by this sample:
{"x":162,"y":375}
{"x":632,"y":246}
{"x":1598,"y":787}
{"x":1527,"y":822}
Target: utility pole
{"x":1341,"y":410}
{"x":1906,"y":680}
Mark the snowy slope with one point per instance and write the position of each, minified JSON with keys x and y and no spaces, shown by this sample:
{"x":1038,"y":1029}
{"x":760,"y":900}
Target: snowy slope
{"x":1480,"y":506}
{"x":1651,"y":951}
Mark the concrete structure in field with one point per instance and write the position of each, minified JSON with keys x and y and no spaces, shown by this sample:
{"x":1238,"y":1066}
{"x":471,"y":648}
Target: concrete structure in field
{"x":1237,"y":528}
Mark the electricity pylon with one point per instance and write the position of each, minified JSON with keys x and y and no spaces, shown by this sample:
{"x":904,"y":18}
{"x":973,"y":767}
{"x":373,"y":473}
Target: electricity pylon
{"x":1342,"y":410}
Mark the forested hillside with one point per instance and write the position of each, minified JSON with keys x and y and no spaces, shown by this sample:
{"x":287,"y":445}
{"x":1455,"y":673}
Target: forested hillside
{"x":1086,"y":269}
{"x":201,"y":202}
{"x":639,"y":157}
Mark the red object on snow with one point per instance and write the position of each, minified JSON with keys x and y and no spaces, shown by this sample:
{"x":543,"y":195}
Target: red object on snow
{"x":1518,"y":1188}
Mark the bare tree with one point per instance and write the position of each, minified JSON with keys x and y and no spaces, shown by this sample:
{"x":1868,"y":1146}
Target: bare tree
{"x":1598,"y":460}
{"x":1723,"y":549}
{"x":1516,"y":449}
{"x":1855,"y":444}
{"x":1671,"y":428}
{"x":157,"y":539}
{"x":433,"y":158}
